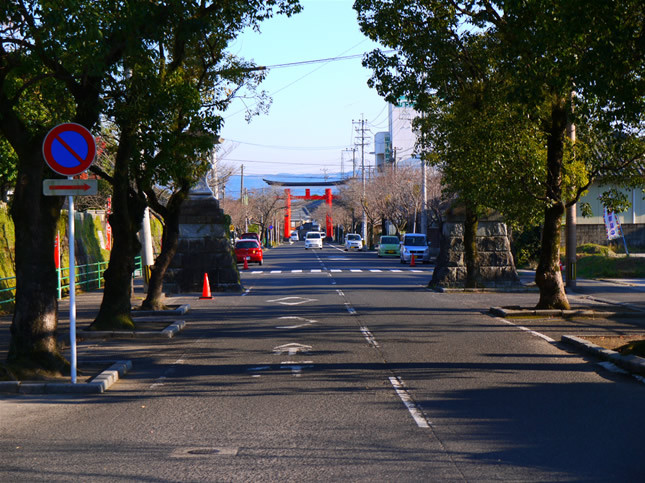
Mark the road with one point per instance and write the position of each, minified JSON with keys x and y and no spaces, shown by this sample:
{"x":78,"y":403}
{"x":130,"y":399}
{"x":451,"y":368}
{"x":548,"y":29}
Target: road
{"x":337,"y":366}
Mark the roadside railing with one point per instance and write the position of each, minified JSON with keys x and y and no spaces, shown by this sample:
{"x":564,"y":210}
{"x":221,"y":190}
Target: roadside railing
{"x":88,"y":277}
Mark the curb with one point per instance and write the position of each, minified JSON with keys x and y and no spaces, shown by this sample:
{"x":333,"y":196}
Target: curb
{"x":98,"y":385}
{"x":522,"y":289}
{"x":167,"y":333}
{"x":502,"y":312}
{"x":181,"y":310}
{"x":630,"y":363}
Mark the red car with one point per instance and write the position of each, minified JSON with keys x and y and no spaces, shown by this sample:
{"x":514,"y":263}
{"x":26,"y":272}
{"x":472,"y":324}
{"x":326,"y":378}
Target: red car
{"x":252,"y":236}
{"x":249,"y":249}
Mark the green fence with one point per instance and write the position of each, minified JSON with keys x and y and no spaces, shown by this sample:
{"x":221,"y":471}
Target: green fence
{"x":88,"y":277}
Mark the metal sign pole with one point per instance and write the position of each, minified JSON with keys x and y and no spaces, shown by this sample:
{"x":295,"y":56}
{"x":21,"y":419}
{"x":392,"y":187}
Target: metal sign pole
{"x":72,"y":288}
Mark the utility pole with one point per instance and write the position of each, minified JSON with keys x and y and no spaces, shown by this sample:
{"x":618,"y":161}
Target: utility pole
{"x":215,"y":175}
{"x":571,"y":221}
{"x":361,"y":131}
{"x":242,"y":185}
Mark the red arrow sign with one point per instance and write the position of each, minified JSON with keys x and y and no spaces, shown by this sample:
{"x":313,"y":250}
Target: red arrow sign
{"x":83,"y":187}
{"x":69,"y":187}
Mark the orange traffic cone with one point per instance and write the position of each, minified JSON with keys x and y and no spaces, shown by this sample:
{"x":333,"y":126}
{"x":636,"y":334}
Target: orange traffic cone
{"x":412,"y":261}
{"x":246,"y":264}
{"x":206,"y":291}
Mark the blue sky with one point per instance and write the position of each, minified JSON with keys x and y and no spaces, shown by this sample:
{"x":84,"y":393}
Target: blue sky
{"x":310,"y":121}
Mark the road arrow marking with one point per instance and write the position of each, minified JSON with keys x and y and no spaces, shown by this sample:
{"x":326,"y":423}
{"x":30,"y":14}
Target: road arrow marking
{"x":291,"y":348}
{"x":306,"y":323}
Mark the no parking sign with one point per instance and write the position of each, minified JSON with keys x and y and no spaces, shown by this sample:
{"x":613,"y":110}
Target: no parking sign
{"x":69,"y":149}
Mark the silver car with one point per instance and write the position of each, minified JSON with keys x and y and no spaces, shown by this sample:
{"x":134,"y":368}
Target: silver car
{"x":415,"y":244}
{"x":353,"y":241}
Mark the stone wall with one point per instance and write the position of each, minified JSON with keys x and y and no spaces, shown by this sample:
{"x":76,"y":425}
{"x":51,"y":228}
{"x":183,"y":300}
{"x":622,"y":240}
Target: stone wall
{"x":634,"y":235}
{"x":204,"y":247}
{"x":496,"y":265}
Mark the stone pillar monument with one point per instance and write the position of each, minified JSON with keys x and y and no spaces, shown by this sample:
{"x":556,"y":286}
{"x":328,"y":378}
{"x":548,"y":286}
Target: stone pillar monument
{"x":496,"y":265}
{"x":204,"y":247}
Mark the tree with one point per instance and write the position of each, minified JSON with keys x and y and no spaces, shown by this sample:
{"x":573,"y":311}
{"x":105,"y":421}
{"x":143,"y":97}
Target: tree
{"x":69,"y":62}
{"x":526,"y":59}
{"x":265,"y":205}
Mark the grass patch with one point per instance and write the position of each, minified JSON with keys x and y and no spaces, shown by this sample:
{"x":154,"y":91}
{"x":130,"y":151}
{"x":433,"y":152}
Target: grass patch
{"x":599,"y":266}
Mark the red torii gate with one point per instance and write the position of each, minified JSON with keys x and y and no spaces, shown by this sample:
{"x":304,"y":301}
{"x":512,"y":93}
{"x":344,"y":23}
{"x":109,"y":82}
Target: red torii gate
{"x":328,"y":197}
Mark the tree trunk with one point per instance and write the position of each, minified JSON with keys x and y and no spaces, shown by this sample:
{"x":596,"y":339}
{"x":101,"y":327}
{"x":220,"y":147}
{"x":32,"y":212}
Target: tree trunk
{"x":471,"y":257}
{"x":33,"y":346}
{"x":548,"y":276}
{"x":126,"y":221}
{"x":169,"y":245}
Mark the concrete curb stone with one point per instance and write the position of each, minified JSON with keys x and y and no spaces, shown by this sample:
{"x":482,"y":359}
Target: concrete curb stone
{"x":169,"y":332}
{"x":631,"y":363}
{"x":97,"y":385}
{"x":504,"y":312}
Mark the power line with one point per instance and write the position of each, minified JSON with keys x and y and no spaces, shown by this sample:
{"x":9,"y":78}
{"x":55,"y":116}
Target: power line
{"x":291,"y":148}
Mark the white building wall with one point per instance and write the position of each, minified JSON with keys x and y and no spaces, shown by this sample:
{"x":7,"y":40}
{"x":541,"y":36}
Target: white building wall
{"x":402,"y":136}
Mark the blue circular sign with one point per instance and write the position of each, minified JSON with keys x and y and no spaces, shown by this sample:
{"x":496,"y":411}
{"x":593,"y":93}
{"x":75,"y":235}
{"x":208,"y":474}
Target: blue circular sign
{"x":69,"y":149}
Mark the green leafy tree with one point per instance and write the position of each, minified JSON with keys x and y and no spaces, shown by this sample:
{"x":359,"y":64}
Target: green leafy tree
{"x":86,"y":61}
{"x":525,"y":59}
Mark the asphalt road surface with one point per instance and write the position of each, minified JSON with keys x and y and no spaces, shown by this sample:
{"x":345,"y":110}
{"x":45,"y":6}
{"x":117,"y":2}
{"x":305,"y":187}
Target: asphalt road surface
{"x":336,"y":366}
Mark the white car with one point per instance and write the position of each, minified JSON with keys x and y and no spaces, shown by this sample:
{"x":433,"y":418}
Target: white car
{"x":415,"y":244}
{"x":353,"y":241}
{"x":313,"y":239}
{"x":294,"y":236}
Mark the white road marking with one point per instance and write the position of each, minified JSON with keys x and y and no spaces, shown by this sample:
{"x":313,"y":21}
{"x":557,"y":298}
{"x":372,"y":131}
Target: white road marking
{"x":350,"y":309}
{"x":292,"y":300}
{"x":415,"y":412}
{"x":340,"y":292}
{"x":246,"y":292}
{"x":291,"y":349}
{"x":276,"y":271}
{"x":297,"y":367}
{"x":526,"y":329}
{"x":369,"y":337}
{"x":335,"y":270}
{"x":297,"y":326}
{"x":355,"y":270}
{"x":375,"y":270}
{"x":296,"y":271}
{"x":316,"y":270}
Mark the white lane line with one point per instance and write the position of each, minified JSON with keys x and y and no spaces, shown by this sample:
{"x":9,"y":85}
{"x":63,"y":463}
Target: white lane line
{"x":276,"y":271}
{"x":526,"y":329}
{"x":355,"y":270}
{"x":316,"y":270}
{"x":396,"y":270}
{"x":350,"y":309}
{"x":255,"y":272}
{"x":340,"y":292}
{"x":369,"y":337}
{"x":335,"y":270}
{"x":159,"y":382}
{"x":375,"y":270}
{"x":415,"y":412}
{"x":296,"y":271}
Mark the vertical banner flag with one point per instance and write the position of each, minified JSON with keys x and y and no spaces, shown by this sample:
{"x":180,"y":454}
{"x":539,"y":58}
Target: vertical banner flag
{"x":612,"y":225}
